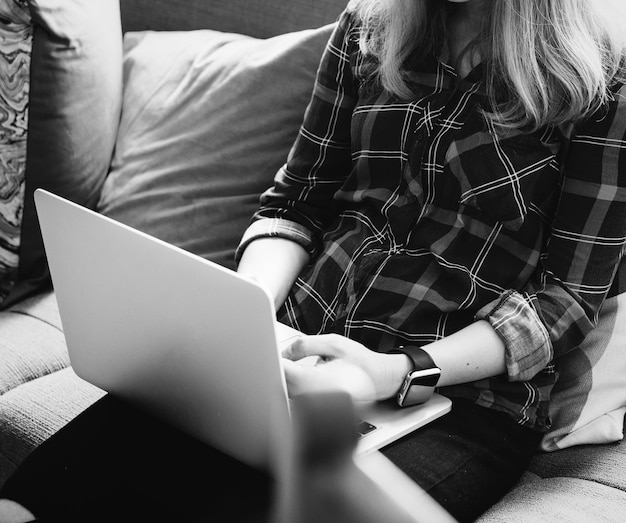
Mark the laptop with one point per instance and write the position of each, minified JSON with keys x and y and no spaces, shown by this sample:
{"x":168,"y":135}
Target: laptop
{"x":190,"y":341}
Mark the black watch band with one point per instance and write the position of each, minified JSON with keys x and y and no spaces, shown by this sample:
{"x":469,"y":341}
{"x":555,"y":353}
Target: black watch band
{"x":419,"y":384}
{"x":420,"y":358}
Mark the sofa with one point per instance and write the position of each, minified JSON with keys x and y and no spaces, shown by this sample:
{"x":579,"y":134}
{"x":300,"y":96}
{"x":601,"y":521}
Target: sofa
{"x":172,"y":116}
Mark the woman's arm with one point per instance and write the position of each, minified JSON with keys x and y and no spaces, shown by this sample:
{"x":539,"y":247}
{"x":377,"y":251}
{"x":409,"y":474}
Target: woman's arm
{"x":519,"y":334}
{"x":275,"y":263}
{"x":300,"y":204}
{"x":554,"y":312}
{"x":471,"y":354}
{"x":286,"y":230}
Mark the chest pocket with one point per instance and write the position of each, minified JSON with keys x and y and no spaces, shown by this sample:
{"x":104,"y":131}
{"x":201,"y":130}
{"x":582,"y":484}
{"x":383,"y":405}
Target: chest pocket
{"x":501,"y":178}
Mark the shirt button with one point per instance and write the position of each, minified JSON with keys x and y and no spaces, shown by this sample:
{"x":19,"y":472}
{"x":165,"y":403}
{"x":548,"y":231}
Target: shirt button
{"x":411,"y":198}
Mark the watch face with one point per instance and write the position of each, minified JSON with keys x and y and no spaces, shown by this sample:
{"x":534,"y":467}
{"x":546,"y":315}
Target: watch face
{"x":426,"y":377}
{"x":418,"y":386}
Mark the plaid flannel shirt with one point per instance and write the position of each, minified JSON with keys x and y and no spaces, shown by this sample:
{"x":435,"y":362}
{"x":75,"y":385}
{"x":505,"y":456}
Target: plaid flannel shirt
{"x":421,"y":219}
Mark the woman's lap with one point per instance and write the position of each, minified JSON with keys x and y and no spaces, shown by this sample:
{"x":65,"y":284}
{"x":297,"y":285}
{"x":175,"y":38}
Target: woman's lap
{"x":113,"y":458}
{"x":468,"y":459}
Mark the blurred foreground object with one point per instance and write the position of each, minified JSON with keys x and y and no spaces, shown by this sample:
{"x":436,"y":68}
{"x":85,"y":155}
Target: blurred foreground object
{"x":325,"y":483}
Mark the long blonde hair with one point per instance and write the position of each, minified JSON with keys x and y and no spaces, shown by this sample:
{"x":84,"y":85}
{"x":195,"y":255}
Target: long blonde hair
{"x":548,"y":62}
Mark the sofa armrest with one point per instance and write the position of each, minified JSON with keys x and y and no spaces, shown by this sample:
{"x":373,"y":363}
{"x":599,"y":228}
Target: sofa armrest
{"x":258,"y":18}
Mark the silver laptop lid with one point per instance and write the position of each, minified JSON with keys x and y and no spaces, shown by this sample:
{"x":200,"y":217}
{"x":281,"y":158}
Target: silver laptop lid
{"x":168,"y":330}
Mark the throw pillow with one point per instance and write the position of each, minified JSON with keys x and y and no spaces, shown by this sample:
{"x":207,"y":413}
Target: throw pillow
{"x":15,"y":48}
{"x":207,"y":120}
{"x":73,"y":114}
{"x":589,"y":400}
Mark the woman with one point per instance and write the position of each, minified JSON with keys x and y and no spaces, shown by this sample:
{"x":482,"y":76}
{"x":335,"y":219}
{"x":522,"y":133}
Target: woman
{"x":450,"y":189}
{"x":455,"y":202}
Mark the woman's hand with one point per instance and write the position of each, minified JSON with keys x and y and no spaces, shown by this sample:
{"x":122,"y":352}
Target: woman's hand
{"x":343,"y":364}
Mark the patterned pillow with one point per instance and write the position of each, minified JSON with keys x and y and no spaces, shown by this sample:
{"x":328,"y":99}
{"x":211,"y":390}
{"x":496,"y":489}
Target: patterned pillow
{"x":16,"y":36}
{"x":73,"y":103}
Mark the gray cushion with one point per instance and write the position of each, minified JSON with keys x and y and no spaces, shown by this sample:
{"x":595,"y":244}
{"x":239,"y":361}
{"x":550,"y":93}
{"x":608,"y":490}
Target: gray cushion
{"x":32,"y":343}
{"x":42,"y":307}
{"x":203,"y":131}
{"x":603,"y":464}
{"x":554,"y":500}
{"x":583,"y":483}
{"x":32,"y":412}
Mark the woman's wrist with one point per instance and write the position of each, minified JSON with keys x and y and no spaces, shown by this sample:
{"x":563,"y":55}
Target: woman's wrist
{"x":397,"y":366}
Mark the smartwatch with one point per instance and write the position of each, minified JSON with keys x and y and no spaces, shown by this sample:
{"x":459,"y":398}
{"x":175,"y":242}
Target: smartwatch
{"x":419,"y":384}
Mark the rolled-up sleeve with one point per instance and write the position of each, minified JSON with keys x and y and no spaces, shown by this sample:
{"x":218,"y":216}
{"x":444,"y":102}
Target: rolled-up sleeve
{"x":272,"y":227}
{"x":528,"y":348}
{"x":554,"y":312}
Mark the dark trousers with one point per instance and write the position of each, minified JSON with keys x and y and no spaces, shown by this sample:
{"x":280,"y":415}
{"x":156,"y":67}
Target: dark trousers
{"x":468,"y":459}
{"x":114,"y":463}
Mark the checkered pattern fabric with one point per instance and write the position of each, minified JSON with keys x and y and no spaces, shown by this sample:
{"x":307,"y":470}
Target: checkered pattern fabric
{"x":421,"y":217}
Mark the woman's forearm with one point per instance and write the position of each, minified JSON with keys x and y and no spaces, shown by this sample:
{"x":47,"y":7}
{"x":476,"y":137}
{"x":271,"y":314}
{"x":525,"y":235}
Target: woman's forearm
{"x":471,"y":354}
{"x":275,"y":263}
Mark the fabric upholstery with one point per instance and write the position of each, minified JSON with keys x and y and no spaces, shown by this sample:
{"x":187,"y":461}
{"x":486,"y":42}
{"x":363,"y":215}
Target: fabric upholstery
{"x":603,"y":464}
{"x":581,"y":483}
{"x":32,"y":343}
{"x":535,"y":499}
{"x":207,"y":120}
{"x":42,"y":307}
{"x":32,"y":412}
{"x":258,"y":18}
{"x":74,"y":106}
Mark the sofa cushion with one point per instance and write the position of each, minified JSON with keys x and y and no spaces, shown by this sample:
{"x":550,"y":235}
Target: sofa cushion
{"x":32,"y":412}
{"x":557,"y":500}
{"x":579,"y":483}
{"x":207,"y":120}
{"x":32,"y":343}
{"x":73,"y":113}
{"x":589,"y":399}
{"x":602,"y":464}
{"x":42,"y":307}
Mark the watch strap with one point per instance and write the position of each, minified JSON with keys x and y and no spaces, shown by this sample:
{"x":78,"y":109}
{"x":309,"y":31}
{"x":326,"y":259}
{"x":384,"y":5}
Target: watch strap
{"x":419,"y":357}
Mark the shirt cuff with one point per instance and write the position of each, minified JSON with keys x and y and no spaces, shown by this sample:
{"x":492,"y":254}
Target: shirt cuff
{"x":276,"y":228}
{"x":528,"y":348}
